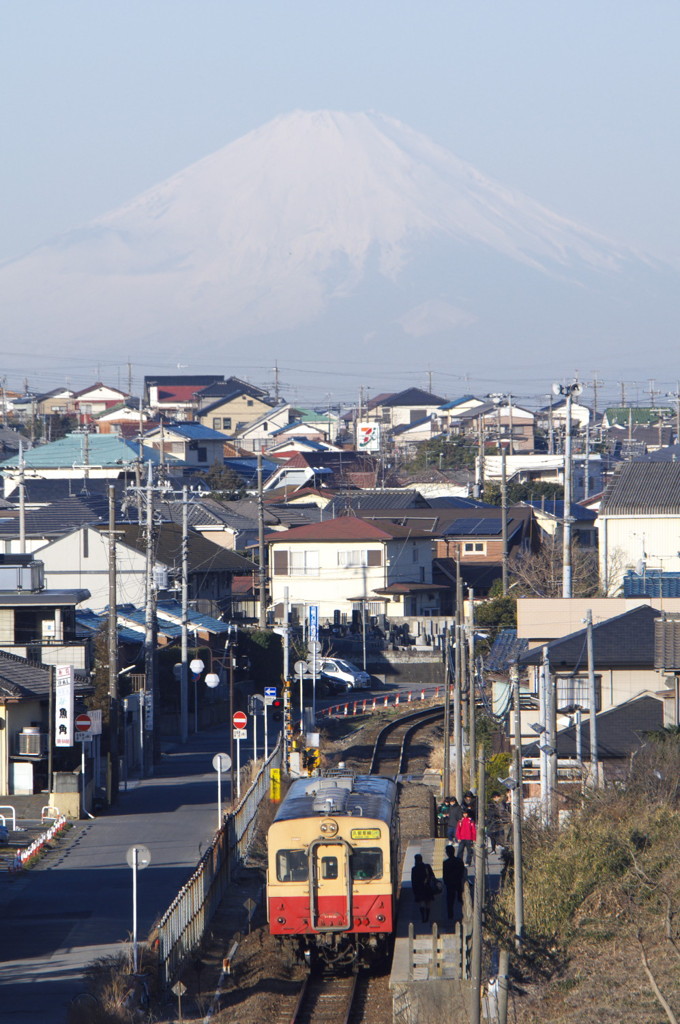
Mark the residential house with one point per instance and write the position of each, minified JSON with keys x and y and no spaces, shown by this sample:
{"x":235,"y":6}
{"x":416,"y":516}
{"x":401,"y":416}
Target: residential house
{"x":58,"y":402}
{"x":623,"y":658}
{"x":81,"y":559}
{"x":554,"y":416}
{"x":325,"y":469}
{"x":405,"y":407}
{"x":639,"y":521}
{"x":343,"y":564}
{"x":257,"y":436}
{"x":293,"y":445}
{"x":548,"y":469}
{"x":193,"y":444}
{"x":82,"y":455}
{"x":215,"y":520}
{"x":93,"y":401}
{"x":231,"y":405}
{"x":549,"y":517}
{"x":176,"y":397}
{"x":408,"y":436}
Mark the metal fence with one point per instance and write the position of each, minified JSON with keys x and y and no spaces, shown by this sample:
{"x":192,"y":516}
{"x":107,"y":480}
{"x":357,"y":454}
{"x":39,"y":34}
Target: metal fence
{"x":184,"y":923}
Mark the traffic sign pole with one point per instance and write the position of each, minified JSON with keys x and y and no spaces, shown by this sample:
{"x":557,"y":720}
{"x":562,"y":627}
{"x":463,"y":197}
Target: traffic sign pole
{"x":266,"y":737}
{"x":254,"y":737}
{"x":135,"y":861}
{"x":238,"y":766}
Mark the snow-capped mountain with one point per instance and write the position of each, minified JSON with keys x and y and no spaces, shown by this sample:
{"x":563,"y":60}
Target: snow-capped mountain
{"x":331,"y":227}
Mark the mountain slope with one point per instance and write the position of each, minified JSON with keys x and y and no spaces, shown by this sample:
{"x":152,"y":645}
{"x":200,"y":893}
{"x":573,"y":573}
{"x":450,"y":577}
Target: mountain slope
{"x":348,"y":226}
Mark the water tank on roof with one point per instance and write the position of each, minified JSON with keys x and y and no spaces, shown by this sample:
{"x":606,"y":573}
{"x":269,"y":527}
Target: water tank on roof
{"x":161,"y":578}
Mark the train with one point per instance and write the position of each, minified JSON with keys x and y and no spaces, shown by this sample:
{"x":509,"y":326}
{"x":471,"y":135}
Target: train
{"x":332,"y":871}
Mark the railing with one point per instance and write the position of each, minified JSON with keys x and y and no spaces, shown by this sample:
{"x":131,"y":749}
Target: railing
{"x":184,"y":922}
{"x":365,"y":705}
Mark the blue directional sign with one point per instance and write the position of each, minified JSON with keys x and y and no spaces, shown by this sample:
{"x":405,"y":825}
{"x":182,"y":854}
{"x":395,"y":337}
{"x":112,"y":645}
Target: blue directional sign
{"x":313,"y":622}
{"x":269,"y":695}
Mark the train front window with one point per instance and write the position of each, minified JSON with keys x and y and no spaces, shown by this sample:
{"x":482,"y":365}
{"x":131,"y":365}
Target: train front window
{"x":291,"y":866}
{"x":366,"y":864}
{"x":329,"y":867}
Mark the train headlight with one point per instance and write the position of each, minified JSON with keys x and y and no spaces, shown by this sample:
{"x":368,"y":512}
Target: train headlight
{"x":329,"y":827}
{"x":380,"y":917}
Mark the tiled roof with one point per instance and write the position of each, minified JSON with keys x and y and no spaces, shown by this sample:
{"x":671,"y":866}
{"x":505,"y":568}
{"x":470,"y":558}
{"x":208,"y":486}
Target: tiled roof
{"x":620,"y":731}
{"x":172,"y":612}
{"x":61,"y":516}
{"x":204,"y":556}
{"x":643,"y":488}
{"x":345,"y":528}
{"x":191,"y":431}
{"x":625,"y":640}
{"x":412,"y":396}
{"x":21,"y":678}
{"x":88,"y":622}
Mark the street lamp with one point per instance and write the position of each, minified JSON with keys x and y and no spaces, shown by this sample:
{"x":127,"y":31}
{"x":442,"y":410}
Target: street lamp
{"x":196,"y":666}
{"x":569,"y":391}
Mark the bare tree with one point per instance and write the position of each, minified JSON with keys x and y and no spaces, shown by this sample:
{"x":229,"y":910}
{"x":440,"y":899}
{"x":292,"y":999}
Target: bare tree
{"x":539,"y":573}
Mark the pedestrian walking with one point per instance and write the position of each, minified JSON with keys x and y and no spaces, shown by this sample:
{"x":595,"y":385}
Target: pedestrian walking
{"x":470,"y":801}
{"x":466,"y":833}
{"x":424,"y":885}
{"x":453,"y":874}
{"x":498,"y":822}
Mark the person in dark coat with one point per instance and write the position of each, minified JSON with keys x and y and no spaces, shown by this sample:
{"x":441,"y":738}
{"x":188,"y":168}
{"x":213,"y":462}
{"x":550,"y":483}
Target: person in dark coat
{"x":423,"y":884}
{"x":453,"y":873}
{"x":466,"y":833}
{"x":449,"y":815}
{"x":470,"y":801}
{"x":498,"y":822}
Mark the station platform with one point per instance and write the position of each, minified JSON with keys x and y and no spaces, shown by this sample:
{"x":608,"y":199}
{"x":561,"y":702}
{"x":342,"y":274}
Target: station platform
{"x":438,"y":950}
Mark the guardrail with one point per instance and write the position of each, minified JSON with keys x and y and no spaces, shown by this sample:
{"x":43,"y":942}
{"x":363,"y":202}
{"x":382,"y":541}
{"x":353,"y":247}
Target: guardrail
{"x":395,"y":699}
{"x":183,"y":924}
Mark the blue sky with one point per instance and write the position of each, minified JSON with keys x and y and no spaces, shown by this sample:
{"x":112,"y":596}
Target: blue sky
{"x":576,"y":103}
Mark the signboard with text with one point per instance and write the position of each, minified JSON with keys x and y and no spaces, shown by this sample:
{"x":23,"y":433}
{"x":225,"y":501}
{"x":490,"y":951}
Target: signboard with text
{"x":63,"y":706}
{"x":368,"y":437}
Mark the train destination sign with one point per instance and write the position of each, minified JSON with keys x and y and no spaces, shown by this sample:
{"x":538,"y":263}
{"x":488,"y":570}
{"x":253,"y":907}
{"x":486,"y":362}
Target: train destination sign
{"x":365,"y":833}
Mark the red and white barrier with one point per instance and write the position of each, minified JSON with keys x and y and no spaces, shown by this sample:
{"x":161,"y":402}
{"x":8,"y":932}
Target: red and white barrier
{"x":24,"y":857}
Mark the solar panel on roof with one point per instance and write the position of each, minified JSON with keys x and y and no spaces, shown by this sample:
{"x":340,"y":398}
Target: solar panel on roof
{"x":475,"y":527}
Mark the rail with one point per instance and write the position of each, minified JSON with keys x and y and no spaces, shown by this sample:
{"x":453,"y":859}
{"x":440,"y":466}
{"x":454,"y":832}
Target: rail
{"x":324,"y":999}
{"x":184,"y":923}
{"x":415,"y":718}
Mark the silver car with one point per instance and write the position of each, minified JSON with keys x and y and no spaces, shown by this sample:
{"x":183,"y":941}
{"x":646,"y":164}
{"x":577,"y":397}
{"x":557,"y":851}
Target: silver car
{"x":342,"y":672}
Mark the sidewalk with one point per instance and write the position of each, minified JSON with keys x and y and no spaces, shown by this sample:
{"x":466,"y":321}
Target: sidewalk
{"x":57,"y":920}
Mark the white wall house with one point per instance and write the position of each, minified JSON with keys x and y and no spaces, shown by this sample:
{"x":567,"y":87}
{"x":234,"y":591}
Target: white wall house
{"x":340,"y":563}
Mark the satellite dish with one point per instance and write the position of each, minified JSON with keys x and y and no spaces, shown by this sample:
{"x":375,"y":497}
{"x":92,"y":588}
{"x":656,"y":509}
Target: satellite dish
{"x":557,"y":389}
{"x":576,"y":388}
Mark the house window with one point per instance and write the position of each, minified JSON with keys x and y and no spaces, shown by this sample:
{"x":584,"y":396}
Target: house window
{"x":575,"y":690}
{"x":414,"y":552}
{"x":304,"y":563}
{"x":474,"y":547}
{"x":280,"y":563}
{"x":202,"y":454}
{"x":359,"y":557}
{"x":226,"y":423}
{"x":217,"y":422}
{"x":249,"y":401}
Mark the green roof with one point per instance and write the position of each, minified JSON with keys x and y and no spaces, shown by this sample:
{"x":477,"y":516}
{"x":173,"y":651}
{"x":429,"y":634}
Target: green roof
{"x":639,"y":414}
{"x":107,"y":450}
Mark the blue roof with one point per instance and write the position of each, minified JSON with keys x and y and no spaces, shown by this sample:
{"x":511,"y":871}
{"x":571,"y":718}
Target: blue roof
{"x":247,"y":467}
{"x":555,"y":507}
{"x":456,"y":401}
{"x":651,"y":583}
{"x":138,"y":615}
{"x":88,"y":620}
{"x":506,"y":649}
{"x":194,"y":431}
{"x":172,"y":610}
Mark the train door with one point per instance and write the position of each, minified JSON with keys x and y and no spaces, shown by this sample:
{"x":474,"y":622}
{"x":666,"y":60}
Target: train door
{"x":330,"y":895}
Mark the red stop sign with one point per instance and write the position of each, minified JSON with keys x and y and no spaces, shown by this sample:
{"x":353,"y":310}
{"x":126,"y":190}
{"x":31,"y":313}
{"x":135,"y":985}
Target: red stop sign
{"x":240,"y":720}
{"x":83,"y":723}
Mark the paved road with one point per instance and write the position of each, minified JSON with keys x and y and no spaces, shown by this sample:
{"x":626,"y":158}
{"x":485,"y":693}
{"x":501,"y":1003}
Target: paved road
{"x":58,"y":919}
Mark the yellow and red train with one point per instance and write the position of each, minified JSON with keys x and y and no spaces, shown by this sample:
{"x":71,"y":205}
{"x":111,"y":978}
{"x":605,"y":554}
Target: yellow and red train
{"x":332,"y":872}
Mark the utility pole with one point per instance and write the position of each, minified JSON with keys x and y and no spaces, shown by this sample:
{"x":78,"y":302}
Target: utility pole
{"x":504,"y":523}
{"x":595,"y":384}
{"x":113,"y":650}
{"x":22,"y":500}
{"x":149,"y":693}
{"x":592,"y":689}
{"x":447,"y":716}
{"x":262,"y":571}
{"x":184,"y":667}
{"x":470,"y":659}
{"x":478,"y":907}
{"x":569,"y":391}
{"x":517,"y":811}
{"x":457,"y":691}
{"x":510,"y":424}
{"x":480,"y":458}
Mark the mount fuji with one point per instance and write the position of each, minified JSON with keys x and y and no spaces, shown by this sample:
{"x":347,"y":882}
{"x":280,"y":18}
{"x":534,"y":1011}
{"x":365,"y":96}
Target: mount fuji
{"x":345,"y":232}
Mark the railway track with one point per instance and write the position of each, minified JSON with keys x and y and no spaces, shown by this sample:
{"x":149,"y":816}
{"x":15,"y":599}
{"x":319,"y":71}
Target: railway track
{"x":327,"y":999}
{"x":391,"y":750}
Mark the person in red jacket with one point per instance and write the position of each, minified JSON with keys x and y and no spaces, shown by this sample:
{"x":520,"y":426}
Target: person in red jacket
{"x":466,"y":833}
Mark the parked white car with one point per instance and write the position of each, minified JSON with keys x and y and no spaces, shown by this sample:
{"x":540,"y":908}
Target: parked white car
{"x":343,"y":675}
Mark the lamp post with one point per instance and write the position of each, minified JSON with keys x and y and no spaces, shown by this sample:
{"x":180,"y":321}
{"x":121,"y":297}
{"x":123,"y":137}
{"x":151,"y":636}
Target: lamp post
{"x":196,"y":666}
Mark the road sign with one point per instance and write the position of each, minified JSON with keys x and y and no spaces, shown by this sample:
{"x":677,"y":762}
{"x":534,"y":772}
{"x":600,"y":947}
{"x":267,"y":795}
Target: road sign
{"x":313,"y":622}
{"x":240,"y":734}
{"x":83,"y":723}
{"x":301,"y":667}
{"x":143,"y":857}
{"x":269,"y":695}
{"x":256,"y":704}
{"x":314,"y":646}
{"x":83,"y":737}
{"x":221,"y":762}
{"x":240,"y":720}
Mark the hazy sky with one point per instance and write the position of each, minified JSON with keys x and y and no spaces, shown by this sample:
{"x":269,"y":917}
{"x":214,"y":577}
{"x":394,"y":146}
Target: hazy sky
{"x":575,"y":104}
